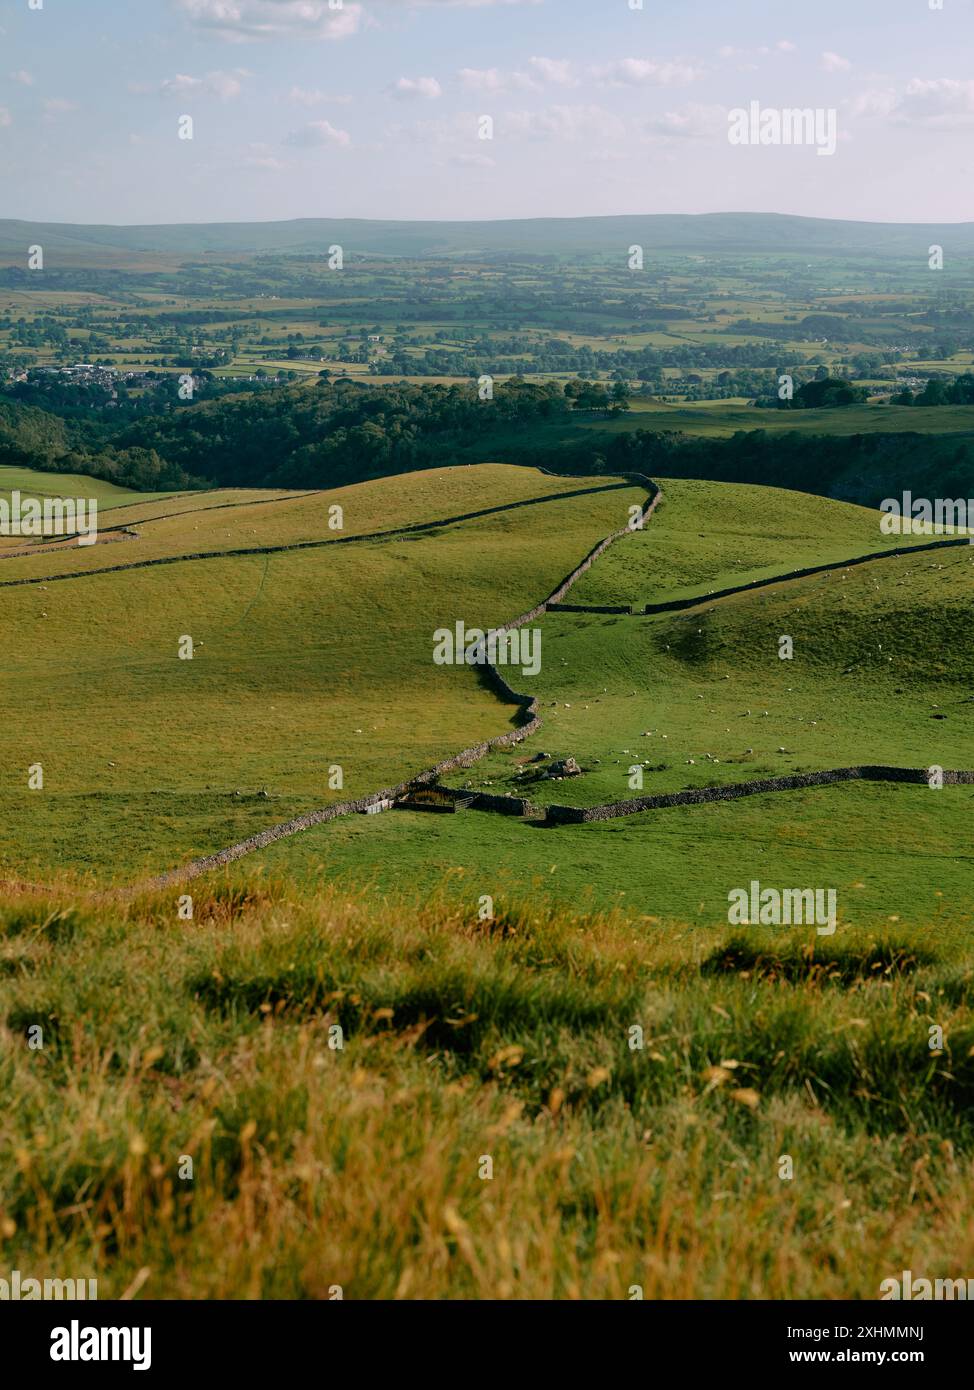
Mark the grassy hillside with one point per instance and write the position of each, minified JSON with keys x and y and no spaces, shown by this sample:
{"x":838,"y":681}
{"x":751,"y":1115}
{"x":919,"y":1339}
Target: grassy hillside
{"x":467,"y":1056}
{"x":635,"y":1091}
{"x":323,"y":644}
{"x":897,"y":857}
{"x":881,"y":673}
{"x":32,"y":483}
{"x":706,"y":536}
{"x":233,"y":519}
{"x":721,"y":419}
{"x":304,"y":658}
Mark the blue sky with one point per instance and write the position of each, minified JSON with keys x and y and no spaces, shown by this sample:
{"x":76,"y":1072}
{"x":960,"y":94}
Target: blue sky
{"x":314,"y":108}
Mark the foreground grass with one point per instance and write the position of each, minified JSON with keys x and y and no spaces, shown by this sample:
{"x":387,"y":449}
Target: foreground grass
{"x":466,"y":1040}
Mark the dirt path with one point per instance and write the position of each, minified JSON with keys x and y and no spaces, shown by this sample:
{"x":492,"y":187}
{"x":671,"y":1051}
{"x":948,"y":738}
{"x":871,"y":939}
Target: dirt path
{"x":117,"y":533}
{"x":106,"y":535}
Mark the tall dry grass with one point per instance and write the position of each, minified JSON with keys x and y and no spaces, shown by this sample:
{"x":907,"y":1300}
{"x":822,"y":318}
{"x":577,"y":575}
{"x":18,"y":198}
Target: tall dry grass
{"x":315,"y":1168}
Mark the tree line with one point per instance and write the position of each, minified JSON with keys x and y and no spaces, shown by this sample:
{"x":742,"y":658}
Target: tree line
{"x":331,"y":433}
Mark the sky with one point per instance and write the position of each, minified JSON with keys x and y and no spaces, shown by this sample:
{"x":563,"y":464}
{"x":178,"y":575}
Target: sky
{"x":376,"y":108}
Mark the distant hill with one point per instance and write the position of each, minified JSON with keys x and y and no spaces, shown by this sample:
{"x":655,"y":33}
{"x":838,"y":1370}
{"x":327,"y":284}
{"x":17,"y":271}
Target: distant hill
{"x":734,"y":232}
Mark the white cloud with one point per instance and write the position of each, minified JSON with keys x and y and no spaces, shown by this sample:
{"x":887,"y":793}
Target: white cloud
{"x":458,"y":4}
{"x":411,"y":88}
{"x":304,"y":97}
{"x":5,"y":117}
{"x":832,"y":62}
{"x":942,"y":102}
{"x":641,"y":72}
{"x":177,"y":86}
{"x":224,"y":85}
{"x":24,"y":78}
{"x":58,"y":106}
{"x":875,"y":102}
{"x":317,"y":133}
{"x":557,"y":71}
{"x":493,"y":80}
{"x":474,"y":161}
{"x":483,"y":79}
{"x":243,"y":21}
{"x":745,"y":57}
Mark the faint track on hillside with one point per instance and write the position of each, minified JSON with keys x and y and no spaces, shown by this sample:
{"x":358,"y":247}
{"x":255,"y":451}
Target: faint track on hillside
{"x":116,"y":534}
{"x":107,"y":535}
{"x":221,"y":507}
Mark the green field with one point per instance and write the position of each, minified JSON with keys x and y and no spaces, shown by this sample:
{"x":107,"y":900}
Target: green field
{"x":304,"y":659}
{"x":702,"y":698}
{"x":721,"y":418}
{"x":707,"y":536}
{"x":321,"y":641}
{"x":31,"y":482}
{"x":487,"y":972}
{"x":636,"y":1087}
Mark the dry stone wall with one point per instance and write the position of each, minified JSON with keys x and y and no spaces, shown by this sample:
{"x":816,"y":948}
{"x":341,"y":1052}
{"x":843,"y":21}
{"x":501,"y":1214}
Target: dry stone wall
{"x":393,"y":534}
{"x":577,"y":815}
{"x":590,"y":608}
{"x":528,"y":713}
{"x":555,"y":815}
{"x":676,"y":604}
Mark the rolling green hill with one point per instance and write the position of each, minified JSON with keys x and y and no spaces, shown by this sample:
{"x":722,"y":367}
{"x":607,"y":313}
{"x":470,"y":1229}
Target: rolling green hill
{"x":715,"y":232}
{"x":570,"y":1001}
{"x":881,"y":673}
{"x":707,"y":537}
{"x":320,"y":640}
{"x":33,"y":483}
{"x":311,"y":650}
